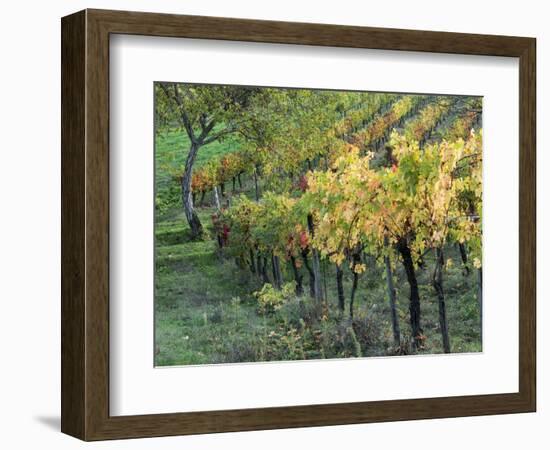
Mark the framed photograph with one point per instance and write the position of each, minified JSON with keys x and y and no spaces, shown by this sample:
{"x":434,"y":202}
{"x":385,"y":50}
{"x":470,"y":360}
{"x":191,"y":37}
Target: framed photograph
{"x":273,"y":225}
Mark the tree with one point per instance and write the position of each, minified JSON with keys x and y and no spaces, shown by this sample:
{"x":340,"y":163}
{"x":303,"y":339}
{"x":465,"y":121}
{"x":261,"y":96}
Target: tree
{"x":433,"y":189}
{"x":337,"y":209}
{"x":465,"y":226}
{"x":392,"y":296}
{"x":207,"y":114}
{"x":266,"y":230}
{"x":412,"y":205}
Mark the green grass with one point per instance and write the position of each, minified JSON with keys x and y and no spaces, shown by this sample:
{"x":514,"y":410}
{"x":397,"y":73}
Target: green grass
{"x":171,"y":148}
{"x":205,"y":311}
{"x":196,"y":320}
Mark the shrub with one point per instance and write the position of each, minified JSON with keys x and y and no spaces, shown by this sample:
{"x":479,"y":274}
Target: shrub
{"x":217,"y":315}
{"x":354,"y":343}
{"x":368,"y":336}
{"x":271,"y":300}
{"x":241,"y":350}
{"x":284,"y":344}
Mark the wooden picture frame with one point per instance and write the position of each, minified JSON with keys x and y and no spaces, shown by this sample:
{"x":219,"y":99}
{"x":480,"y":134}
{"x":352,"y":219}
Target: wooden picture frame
{"x":85,"y":224}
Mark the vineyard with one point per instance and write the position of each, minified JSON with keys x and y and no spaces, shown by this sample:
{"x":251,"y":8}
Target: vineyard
{"x":295,"y":224}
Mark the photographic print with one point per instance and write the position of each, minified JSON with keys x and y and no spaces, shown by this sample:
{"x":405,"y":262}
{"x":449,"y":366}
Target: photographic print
{"x":305,"y":224}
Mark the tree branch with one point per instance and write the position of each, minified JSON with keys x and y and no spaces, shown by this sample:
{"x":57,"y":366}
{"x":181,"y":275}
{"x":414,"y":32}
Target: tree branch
{"x":218,"y":135}
{"x":183,"y":114}
{"x":206,"y":129}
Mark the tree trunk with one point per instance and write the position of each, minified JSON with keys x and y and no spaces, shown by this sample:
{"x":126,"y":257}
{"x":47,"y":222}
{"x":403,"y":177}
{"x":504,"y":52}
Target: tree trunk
{"x":316,"y":264}
{"x":297,"y":276}
{"x":222,"y":189}
{"x":277,"y":277}
{"x":259,"y":265}
{"x":393,"y":303}
{"x":356,"y":259}
{"x":480,"y":301}
{"x":420,"y":262}
{"x":311,"y":274}
{"x":325,"y":288}
{"x":265,"y":277}
{"x":437,"y":282}
{"x":340,"y":288}
{"x":233,"y":188}
{"x":217,"y":198}
{"x":414,"y":296}
{"x":256,"y":188}
{"x":201,"y":201}
{"x":252,"y":262}
{"x":186,"y":195}
{"x":464,"y":257}
{"x":240,"y":181}
{"x":279,"y":273}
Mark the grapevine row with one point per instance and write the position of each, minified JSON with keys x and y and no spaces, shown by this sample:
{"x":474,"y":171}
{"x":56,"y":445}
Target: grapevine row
{"x":415,"y":205}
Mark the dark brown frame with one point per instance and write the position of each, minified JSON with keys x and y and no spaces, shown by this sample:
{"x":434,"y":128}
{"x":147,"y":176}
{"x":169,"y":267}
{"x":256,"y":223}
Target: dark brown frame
{"x":85,"y":224}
